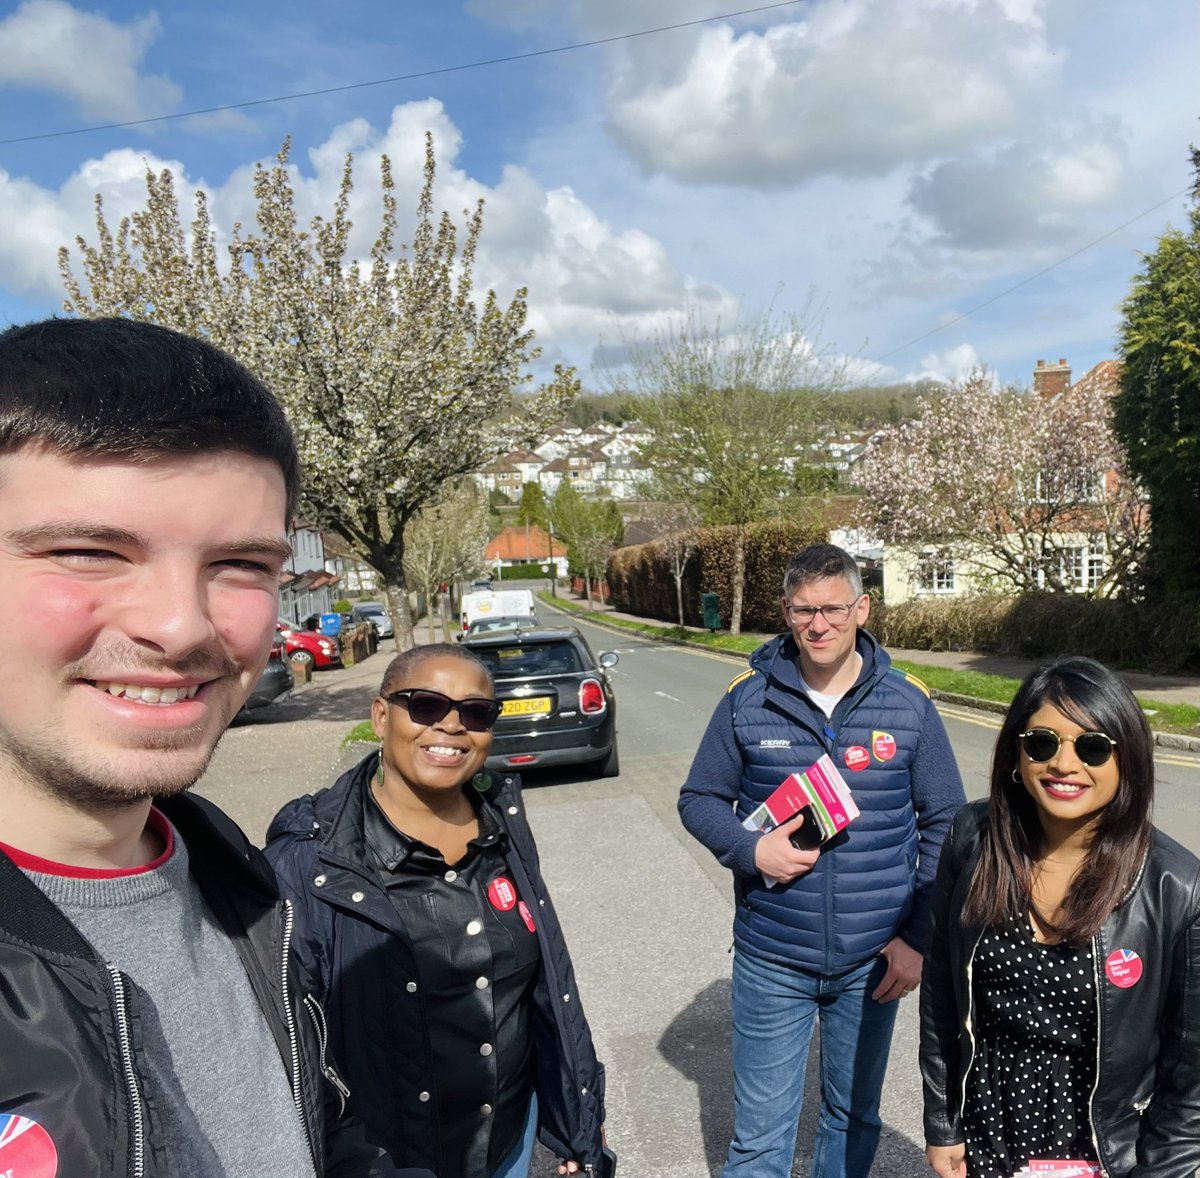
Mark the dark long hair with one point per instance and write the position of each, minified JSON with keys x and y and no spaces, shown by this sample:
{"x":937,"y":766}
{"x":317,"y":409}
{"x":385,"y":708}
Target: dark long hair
{"x":1093,"y":697}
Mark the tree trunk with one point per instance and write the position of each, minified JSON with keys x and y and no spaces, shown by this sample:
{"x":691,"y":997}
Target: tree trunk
{"x":739,"y":578}
{"x":400,"y":609}
{"x":679,"y":595}
{"x":430,"y":600}
{"x":587,"y":582}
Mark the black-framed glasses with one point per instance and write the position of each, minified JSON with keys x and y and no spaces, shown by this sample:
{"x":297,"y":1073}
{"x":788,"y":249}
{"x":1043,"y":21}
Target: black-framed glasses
{"x":1092,"y":748}
{"x":835,"y":615}
{"x":426,"y":707}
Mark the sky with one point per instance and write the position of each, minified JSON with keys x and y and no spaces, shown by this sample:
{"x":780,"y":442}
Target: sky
{"x":929,"y":185}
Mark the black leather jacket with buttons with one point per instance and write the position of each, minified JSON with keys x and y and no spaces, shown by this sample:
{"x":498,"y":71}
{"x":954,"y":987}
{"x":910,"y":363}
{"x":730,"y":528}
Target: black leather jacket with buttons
{"x":359,"y":962}
{"x":1145,"y":1103}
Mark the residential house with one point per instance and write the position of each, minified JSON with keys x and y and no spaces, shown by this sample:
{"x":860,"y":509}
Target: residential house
{"x":306,"y":586}
{"x":526,"y":544}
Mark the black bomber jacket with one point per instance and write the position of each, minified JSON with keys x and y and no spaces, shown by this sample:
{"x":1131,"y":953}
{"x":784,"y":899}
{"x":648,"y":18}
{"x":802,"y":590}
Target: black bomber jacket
{"x":69,"y":1052}
{"x":1145,"y":1102}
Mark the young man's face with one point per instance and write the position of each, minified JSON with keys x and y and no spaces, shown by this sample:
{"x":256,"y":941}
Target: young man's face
{"x":142,"y":605}
{"x":824,"y":644}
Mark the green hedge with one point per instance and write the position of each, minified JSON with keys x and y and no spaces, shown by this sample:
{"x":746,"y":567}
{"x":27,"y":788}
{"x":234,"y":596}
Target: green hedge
{"x":641,"y":582}
{"x":1043,"y":625}
{"x":531,"y":571}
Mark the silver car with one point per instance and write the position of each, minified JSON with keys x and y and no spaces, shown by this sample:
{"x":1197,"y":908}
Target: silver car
{"x":376,"y":613}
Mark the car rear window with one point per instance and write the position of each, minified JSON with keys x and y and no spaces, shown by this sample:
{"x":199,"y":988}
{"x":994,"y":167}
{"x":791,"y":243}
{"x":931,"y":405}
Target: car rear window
{"x":541,"y":658}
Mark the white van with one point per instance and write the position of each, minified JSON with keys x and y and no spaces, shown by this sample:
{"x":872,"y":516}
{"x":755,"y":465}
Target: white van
{"x":502,"y":603}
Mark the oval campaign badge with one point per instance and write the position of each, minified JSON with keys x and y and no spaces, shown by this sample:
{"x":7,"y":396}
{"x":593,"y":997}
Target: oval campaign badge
{"x":1123,"y":968}
{"x":26,"y":1150}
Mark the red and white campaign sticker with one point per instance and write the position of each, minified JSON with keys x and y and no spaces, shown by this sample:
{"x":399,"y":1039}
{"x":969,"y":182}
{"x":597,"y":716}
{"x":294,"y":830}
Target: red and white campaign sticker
{"x":526,"y":916}
{"x":26,"y":1150}
{"x":1124,"y":968}
{"x":857,"y":757}
{"x":502,"y":894}
{"x":884,"y":745}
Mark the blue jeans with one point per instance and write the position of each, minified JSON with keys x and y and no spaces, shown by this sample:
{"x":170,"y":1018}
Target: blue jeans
{"x":516,"y":1165}
{"x":774,"y":1007}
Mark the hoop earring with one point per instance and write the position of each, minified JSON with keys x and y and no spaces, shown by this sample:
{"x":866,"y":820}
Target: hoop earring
{"x":1016,"y":776}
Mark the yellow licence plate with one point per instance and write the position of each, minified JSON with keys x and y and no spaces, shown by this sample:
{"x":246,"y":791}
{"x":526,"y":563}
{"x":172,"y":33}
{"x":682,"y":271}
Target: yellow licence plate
{"x":525,"y":707}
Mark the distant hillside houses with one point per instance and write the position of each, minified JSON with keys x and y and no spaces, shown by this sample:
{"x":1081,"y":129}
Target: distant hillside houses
{"x":600,"y":460}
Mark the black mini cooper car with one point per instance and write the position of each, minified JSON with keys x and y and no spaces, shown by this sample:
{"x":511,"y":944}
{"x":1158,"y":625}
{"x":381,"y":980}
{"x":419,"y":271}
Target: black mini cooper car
{"x":559,"y":707}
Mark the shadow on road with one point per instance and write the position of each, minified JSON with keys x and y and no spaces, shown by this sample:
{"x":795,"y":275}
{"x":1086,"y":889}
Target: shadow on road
{"x":348,"y":703}
{"x":698,"y":1044}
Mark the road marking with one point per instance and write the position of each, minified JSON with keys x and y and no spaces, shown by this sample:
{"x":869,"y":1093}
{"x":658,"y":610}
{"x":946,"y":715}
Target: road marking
{"x":968,"y":716}
{"x":1178,"y":759}
{"x":670,"y":697}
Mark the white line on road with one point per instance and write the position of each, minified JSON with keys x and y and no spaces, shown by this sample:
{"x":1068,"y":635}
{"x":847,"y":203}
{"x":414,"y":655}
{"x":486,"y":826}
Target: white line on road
{"x":670,"y":697}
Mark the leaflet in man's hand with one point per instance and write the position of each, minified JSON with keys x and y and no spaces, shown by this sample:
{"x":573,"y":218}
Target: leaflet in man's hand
{"x":820,"y":786}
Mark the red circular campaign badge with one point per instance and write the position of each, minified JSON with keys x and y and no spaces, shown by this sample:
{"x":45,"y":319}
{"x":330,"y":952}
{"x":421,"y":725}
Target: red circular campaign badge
{"x":857,"y":757}
{"x":26,"y":1150}
{"x":526,"y":916}
{"x":884,"y":745}
{"x":1124,"y":968}
{"x":502,"y":894}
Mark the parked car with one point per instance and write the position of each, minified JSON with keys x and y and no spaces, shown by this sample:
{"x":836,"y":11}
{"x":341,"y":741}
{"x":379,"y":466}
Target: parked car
{"x":276,"y":680}
{"x":558,"y":702}
{"x":376,"y":613}
{"x":308,"y":646}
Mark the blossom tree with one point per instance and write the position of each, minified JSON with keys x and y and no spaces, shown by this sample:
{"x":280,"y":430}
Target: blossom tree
{"x":1011,"y":483}
{"x":395,"y":379}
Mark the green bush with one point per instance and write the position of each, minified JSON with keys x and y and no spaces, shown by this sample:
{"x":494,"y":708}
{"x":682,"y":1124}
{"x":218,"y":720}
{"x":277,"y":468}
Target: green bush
{"x":641,"y":582}
{"x":1045,"y":625}
{"x":529,"y":571}
{"x":341,"y":606}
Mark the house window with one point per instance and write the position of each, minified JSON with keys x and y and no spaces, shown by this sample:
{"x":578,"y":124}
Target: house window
{"x":935,"y":573}
{"x":1096,"y":570}
{"x":1072,"y":566}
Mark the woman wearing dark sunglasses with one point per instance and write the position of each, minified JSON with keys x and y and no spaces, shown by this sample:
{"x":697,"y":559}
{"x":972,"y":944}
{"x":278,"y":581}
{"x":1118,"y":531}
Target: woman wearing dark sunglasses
{"x":1060,"y":1003}
{"x":425,"y":927}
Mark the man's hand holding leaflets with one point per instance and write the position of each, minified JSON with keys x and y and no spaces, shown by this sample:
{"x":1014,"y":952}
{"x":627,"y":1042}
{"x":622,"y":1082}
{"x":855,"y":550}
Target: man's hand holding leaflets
{"x":806,"y":811}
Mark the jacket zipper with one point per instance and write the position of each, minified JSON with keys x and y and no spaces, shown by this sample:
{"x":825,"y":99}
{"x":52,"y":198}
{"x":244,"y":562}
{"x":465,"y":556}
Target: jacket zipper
{"x":317,"y":1015}
{"x":970,"y":1029}
{"x":289,"y":920}
{"x":1096,"y":1080}
{"x":137,"y":1160}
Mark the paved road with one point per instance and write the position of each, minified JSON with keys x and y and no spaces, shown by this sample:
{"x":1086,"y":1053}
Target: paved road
{"x":646,"y":909}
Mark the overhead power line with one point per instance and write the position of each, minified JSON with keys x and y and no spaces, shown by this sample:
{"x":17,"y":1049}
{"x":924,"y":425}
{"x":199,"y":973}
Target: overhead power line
{"x":1033,"y":277}
{"x":446,"y":69}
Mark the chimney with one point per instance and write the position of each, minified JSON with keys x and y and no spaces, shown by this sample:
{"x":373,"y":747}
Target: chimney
{"x":1051,"y":380}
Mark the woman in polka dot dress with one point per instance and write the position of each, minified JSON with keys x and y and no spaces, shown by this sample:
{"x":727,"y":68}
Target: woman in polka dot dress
{"x":1060,"y":1004}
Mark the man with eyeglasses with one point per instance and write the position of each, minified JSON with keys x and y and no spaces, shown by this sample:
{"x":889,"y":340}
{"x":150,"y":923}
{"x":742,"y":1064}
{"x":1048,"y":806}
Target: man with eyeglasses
{"x":830,"y":932}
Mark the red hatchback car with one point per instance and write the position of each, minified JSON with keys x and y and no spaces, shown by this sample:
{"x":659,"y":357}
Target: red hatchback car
{"x":308,"y":646}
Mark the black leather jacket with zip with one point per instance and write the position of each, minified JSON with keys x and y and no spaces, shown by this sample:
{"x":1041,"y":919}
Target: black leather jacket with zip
{"x":1145,"y":1101}
{"x":360,"y":963}
{"x":69,"y":1052}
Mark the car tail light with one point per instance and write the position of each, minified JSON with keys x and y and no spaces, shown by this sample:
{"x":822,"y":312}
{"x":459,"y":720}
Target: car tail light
{"x":521,"y":759}
{"x":276,"y":650}
{"x":591,"y":697}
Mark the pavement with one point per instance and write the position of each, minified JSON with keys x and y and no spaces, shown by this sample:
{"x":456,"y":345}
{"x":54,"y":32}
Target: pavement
{"x":1172,"y":688}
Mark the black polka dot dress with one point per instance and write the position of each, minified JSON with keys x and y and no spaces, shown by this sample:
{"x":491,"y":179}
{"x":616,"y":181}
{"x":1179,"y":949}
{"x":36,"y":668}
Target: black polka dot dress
{"x":1035,"y":1052}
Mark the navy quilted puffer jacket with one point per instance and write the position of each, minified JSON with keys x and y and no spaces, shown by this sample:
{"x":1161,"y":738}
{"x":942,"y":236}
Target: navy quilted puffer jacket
{"x":360,"y":964}
{"x":873,"y":881}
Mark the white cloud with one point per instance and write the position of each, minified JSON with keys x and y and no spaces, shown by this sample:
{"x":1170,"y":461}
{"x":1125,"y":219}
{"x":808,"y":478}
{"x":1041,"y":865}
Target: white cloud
{"x":48,"y":45}
{"x":1030,"y":194}
{"x":585,"y":277}
{"x":953,"y":363}
{"x":856,"y":89}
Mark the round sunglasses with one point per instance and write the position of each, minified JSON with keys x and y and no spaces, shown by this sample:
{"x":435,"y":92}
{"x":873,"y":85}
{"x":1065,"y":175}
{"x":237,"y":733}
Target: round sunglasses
{"x":428,"y":707}
{"x":1092,"y":748}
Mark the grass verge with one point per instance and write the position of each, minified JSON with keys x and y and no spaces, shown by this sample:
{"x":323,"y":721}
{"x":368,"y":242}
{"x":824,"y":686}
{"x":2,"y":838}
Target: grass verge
{"x":1164,"y":717}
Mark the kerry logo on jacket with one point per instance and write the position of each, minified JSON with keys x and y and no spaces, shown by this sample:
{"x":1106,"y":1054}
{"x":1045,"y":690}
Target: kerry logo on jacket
{"x":26,"y":1150}
{"x":774,"y":744}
